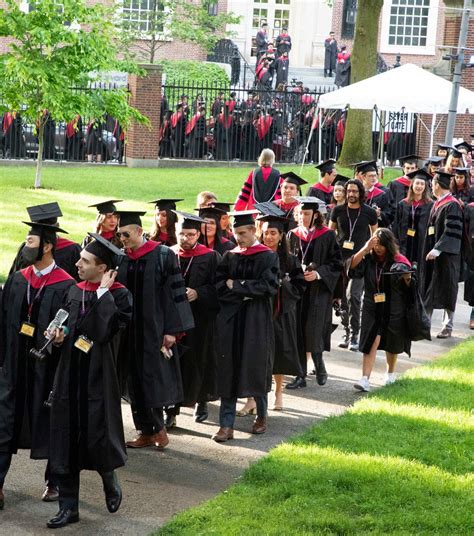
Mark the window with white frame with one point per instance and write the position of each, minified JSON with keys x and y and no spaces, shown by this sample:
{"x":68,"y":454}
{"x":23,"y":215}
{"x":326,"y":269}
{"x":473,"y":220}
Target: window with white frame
{"x":409,"y":26}
{"x":143,"y":15}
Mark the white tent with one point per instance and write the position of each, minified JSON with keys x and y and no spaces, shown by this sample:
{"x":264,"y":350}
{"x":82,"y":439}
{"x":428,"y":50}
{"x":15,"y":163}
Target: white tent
{"x":408,"y":88}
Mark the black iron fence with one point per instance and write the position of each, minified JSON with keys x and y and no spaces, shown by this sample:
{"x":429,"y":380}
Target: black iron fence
{"x":83,"y":139}
{"x":211,"y":122}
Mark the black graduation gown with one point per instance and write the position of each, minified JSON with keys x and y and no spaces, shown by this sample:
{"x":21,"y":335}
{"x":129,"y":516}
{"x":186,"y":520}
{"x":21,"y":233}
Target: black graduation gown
{"x":198,"y":360}
{"x":86,"y":415}
{"x":381,"y":199}
{"x":321,"y":192}
{"x":49,"y":139}
{"x":282,"y":66}
{"x":25,"y":383}
{"x":387,"y":319}
{"x":398,"y":189}
{"x":178,"y":135}
{"x":469,"y":255}
{"x":464,"y":196}
{"x":286,"y":319}
{"x":160,"y":307}
{"x":415,"y":219}
{"x":249,"y":142}
{"x":316,"y":307}
{"x":197,"y":139}
{"x":245,"y":337}
{"x":223,"y":245}
{"x":439,"y":278}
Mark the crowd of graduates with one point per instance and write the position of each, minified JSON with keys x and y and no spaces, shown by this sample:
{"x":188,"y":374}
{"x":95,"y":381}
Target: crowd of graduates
{"x":206,"y":308}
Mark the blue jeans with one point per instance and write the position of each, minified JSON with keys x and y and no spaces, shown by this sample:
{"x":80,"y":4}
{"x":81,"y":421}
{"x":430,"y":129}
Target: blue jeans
{"x":228,"y":409}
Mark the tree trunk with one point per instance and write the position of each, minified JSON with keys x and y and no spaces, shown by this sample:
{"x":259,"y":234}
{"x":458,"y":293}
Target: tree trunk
{"x":358,"y":135}
{"x":39,"y":160}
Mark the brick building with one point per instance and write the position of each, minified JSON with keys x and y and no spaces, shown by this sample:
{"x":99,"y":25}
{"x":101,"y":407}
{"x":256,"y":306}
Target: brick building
{"x":421,"y":32}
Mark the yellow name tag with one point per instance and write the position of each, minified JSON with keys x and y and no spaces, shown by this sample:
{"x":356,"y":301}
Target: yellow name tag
{"x":348,"y":244}
{"x":83,"y":344}
{"x":431,"y":230}
{"x":27,"y":329}
{"x":379,"y":297}
{"x":411,"y":232}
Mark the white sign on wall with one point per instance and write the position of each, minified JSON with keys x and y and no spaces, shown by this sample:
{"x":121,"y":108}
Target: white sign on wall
{"x":394,"y":122}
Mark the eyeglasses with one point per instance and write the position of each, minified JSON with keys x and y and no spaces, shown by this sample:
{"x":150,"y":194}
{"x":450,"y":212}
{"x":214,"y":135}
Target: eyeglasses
{"x":188,"y":235}
{"x":125,"y":234}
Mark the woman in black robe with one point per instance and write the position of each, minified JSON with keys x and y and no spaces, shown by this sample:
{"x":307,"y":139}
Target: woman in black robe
{"x":384,"y":311}
{"x":164,"y":224}
{"x":411,"y":217}
{"x":165,"y":137}
{"x":316,"y":247}
{"x":285,"y":305}
{"x":461,"y":186}
{"x":211,"y":232}
{"x":94,"y":141}
{"x":74,"y":140}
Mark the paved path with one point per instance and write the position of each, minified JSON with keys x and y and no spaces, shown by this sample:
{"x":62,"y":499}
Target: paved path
{"x":193,"y":468}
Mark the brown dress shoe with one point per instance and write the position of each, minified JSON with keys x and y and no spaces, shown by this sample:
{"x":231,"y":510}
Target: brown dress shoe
{"x":50,"y":494}
{"x":444,"y":334}
{"x":259,"y":425}
{"x":2,"y":499}
{"x":140,"y":441}
{"x":223,"y":434}
{"x":161,"y":439}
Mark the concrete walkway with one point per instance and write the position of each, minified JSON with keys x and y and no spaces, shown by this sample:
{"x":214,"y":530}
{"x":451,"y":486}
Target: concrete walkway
{"x":157,"y":485}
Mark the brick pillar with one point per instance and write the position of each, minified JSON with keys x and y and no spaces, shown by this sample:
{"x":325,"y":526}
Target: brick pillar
{"x":142,"y":142}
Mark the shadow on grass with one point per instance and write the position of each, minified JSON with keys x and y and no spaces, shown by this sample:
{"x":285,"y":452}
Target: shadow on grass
{"x":311,"y":490}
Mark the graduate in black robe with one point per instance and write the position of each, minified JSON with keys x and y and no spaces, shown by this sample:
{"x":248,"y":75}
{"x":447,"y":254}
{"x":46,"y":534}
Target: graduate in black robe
{"x":196,"y":135}
{"x":86,"y":416}
{"x":161,"y":312}
{"x":285,"y":304}
{"x":211,"y":232}
{"x":178,"y":132}
{"x":321,"y":260}
{"x":375,"y":197}
{"x":30,"y":301}
{"x":198,"y":360}
{"x":249,"y":138}
{"x":386,"y":300}
{"x":469,"y":258}
{"x":411,"y":218}
{"x":165,"y":150}
{"x":398,"y":188}
{"x":282,"y":67}
{"x":324,"y":188}
{"x":49,"y":137}
{"x":247,"y":280}
{"x":441,"y":261}
{"x":461,"y":185}
{"x":66,"y":252}
{"x":105,"y":223}
{"x":223,"y":135}
{"x":74,"y":140}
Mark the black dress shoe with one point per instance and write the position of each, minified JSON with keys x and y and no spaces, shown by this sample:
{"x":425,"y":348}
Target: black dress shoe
{"x":50,"y":494}
{"x":201,"y":413}
{"x":322,"y":378}
{"x":297,"y":383}
{"x":113,"y":491}
{"x":63,"y":518}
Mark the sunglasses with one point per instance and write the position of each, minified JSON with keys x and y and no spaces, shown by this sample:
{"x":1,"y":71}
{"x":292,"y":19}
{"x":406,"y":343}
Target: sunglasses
{"x":125,"y":234}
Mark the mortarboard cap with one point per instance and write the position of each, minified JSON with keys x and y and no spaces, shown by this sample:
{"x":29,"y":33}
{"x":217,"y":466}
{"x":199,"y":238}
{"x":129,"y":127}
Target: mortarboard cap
{"x":189,"y":221}
{"x":435,"y":160}
{"x":340,"y":180}
{"x":365,"y":165}
{"x":293,"y":178}
{"x":465,"y":145}
{"x":106,"y":207}
{"x":267,"y":208}
{"x":46,"y":213}
{"x":243,"y":217}
{"x":443,"y":178}
{"x":221,"y":205}
{"x":276,"y":222}
{"x":104,"y":250}
{"x":166,"y":204}
{"x":211,"y":212}
{"x":420,"y":174}
{"x":409,"y":159}
{"x":130,"y":217}
{"x":43,"y":229}
{"x":314,"y":203}
{"x":326,"y":166}
{"x":462,"y":171}
{"x":444,"y":146}
{"x":456,"y":153}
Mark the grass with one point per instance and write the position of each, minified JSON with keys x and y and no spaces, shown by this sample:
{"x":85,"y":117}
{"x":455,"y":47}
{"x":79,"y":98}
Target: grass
{"x":77,"y":187}
{"x":398,"y":462}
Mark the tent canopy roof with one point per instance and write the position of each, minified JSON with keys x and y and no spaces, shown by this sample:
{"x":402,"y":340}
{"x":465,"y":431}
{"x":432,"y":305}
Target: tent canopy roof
{"x":408,"y":87}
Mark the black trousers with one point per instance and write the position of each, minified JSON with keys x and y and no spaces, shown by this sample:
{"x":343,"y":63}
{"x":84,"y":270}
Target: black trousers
{"x":304,"y":362}
{"x":69,"y":489}
{"x":5,"y":462}
{"x":148,"y":420}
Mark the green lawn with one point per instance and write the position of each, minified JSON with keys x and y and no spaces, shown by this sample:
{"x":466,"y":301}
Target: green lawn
{"x":76,"y":187}
{"x":398,"y":462}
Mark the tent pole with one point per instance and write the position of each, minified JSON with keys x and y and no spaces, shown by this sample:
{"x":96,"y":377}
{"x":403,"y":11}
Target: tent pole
{"x":432,"y":130}
{"x":320,"y":129}
{"x":381,"y":136}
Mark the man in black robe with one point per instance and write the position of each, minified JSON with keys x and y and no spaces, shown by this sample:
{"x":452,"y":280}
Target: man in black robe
{"x":441,"y":261}
{"x":321,"y":259}
{"x":375,"y":197}
{"x":30,"y":300}
{"x":354,"y":222}
{"x":247,"y":279}
{"x":282,"y":67}
{"x":330,"y":54}
{"x":324,"y":188}
{"x":198,"y":361}
{"x":283,"y":42}
{"x":398,"y":188}
{"x":66,"y":252}
{"x":86,"y":416}
{"x":261,"y":41}
{"x":196,"y":134}
{"x":161,"y":312}
{"x":178,"y":132}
